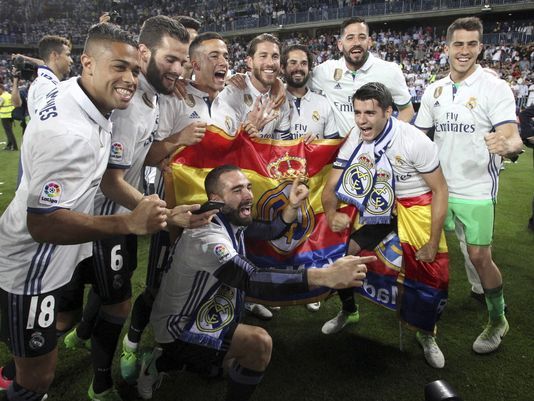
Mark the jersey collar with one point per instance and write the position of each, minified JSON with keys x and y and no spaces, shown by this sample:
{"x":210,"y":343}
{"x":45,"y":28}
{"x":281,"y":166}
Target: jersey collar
{"x":147,"y":89}
{"x":307,"y":95}
{"x":88,"y":106}
{"x":368,"y":64}
{"x":471,"y":79}
{"x":46,"y":70}
{"x":252,"y":88}
{"x":195,"y":91}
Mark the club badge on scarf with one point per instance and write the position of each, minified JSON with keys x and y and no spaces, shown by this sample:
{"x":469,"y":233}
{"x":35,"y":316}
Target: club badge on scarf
{"x":367,"y":181}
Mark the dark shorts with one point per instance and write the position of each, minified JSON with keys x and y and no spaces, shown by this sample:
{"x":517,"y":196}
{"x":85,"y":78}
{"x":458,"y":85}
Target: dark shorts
{"x":28,"y":322}
{"x":109,"y":271}
{"x":158,"y":255}
{"x":370,"y":235}
{"x":195,"y":358}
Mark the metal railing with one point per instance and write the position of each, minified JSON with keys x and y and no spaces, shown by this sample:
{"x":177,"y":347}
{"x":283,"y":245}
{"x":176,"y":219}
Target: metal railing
{"x":363,"y":10}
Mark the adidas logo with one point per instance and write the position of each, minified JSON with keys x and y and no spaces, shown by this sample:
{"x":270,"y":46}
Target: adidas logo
{"x":338,"y":86}
{"x":436,"y":104}
{"x":194,"y":115}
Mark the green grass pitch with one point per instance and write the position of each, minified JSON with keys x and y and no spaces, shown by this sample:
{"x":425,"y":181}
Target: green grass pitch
{"x":364,"y":361}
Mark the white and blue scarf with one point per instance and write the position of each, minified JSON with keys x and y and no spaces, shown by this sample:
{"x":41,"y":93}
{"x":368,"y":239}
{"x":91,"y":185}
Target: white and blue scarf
{"x":367,"y":181}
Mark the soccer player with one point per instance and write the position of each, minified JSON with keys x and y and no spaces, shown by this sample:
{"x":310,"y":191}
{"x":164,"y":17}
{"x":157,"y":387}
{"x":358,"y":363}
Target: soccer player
{"x":311,"y":114}
{"x":48,"y":227}
{"x":339,"y":79}
{"x":473,"y":113}
{"x":239,"y":105}
{"x":408,"y":159}
{"x":55,"y":52}
{"x":197,"y":312}
{"x":182,"y":122}
{"x":163,"y":45}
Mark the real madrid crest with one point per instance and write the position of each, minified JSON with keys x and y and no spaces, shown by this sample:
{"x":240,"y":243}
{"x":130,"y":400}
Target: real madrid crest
{"x":228,"y":123}
{"x":471,"y":103}
{"x":315,"y":116}
{"x":338,"y":73}
{"x":358,"y":179}
{"x":437,"y":92}
{"x":247,"y":98}
{"x":190,"y":100}
{"x":382,"y":197}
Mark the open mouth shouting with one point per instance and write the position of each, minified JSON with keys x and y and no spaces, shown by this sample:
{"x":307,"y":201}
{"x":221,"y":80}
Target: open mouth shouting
{"x":220,"y":76}
{"x":245,"y":210}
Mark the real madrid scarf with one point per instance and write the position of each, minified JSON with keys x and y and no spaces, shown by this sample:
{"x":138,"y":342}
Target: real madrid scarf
{"x":367,"y":180}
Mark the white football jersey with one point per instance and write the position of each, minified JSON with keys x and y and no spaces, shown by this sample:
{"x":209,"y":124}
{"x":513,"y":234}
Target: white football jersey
{"x":334,"y":80}
{"x":461,"y":117}
{"x":233,"y":105}
{"x":189,"y":281}
{"x":64,"y":156}
{"x":45,"y":82}
{"x":311,"y":114}
{"x":410,"y":152}
{"x":133,"y":133}
{"x":176,"y":114}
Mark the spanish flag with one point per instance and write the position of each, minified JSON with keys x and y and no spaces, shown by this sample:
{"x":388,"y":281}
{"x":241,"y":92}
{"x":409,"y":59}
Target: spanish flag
{"x":271,"y":166}
{"x":398,"y":281}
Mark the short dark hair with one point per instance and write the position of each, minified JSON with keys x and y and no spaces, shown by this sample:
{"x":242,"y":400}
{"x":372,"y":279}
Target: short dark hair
{"x":188,"y":22}
{"x":264,"y":37}
{"x":108,"y":32}
{"x":289,"y":49}
{"x":466,"y":23}
{"x":353,"y":20}
{"x":374,"y":91}
{"x":155,"y":28}
{"x":211,"y":183}
{"x":203,"y":37}
{"x":52,"y":43}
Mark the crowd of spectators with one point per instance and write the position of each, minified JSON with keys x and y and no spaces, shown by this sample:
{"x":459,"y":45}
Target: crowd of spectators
{"x":26,"y":21}
{"x":419,"y":50}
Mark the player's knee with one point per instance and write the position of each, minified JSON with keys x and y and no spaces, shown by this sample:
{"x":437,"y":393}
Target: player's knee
{"x":480,"y":257}
{"x":262,"y":345}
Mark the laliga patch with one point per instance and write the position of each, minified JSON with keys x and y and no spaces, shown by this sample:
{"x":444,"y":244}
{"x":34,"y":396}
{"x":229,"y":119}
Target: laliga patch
{"x":222,"y":253}
{"x":51,"y":193}
{"x":117,"y":152}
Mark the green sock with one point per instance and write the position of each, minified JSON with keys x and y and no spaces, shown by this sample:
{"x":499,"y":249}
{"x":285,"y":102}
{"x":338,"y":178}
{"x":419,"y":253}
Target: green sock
{"x":495,"y":302}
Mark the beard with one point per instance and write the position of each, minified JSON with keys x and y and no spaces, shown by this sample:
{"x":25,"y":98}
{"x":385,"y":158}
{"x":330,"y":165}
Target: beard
{"x":356,"y":64}
{"x":233,"y":216}
{"x":257,"y":74}
{"x":295,"y":84}
{"x":155,"y":77}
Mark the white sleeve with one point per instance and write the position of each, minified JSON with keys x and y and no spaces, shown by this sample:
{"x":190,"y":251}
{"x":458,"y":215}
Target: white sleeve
{"x":346,"y":150}
{"x":501,"y":107}
{"x":228,"y":112}
{"x":170,"y":122}
{"x":207,"y":249}
{"x":123,"y":139}
{"x":315,"y":82}
{"x":60,"y":166}
{"x":424,"y":153}
{"x":331,"y":130}
{"x":424,"y":119}
{"x":398,"y":88}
